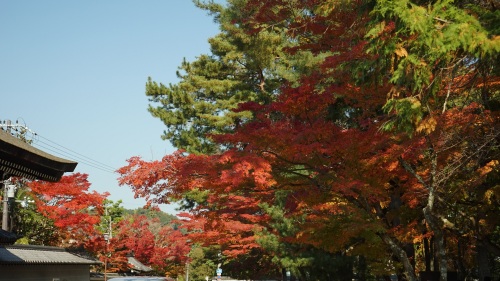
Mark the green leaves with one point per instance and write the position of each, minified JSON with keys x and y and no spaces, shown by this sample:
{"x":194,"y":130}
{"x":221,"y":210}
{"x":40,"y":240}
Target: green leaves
{"x":301,"y":166}
{"x":244,"y":66}
{"x":407,"y":113}
{"x":425,"y":48}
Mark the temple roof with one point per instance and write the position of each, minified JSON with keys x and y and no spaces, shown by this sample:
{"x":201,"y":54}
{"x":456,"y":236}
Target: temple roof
{"x":7,"y":238}
{"x":137,"y":265}
{"x":19,"y":159}
{"x":28,"y":254}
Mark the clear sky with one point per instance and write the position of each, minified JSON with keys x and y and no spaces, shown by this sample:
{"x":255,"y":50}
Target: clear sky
{"x":75,"y":72}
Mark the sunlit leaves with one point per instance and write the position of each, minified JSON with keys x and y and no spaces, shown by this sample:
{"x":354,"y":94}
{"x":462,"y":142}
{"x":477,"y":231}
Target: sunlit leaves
{"x":397,"y":118}
{"x":407,"y":114}
{"x":70,"y":204}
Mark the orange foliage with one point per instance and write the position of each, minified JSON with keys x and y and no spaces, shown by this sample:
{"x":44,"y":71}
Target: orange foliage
{"x":70,"y":204}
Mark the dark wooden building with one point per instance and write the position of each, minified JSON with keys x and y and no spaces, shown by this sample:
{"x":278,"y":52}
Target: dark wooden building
{"x":26,"y":262}
{"x":19,"y":159}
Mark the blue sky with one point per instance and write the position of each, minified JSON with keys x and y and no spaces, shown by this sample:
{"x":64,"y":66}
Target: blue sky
{"x":75,"y":72}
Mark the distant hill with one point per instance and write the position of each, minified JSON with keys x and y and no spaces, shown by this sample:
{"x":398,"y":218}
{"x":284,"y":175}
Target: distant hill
{"x":165,"y":218}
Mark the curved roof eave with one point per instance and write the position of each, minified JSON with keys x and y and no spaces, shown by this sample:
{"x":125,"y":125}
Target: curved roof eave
{"x":18,"y":158}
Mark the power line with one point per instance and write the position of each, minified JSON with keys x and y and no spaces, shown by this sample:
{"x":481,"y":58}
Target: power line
{"x":58,"y":152}
{"x":73,"y":155}
{"x":37,"y":140}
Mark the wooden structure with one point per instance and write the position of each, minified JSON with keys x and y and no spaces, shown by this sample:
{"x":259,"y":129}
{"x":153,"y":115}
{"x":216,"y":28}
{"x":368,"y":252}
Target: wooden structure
{"x":19,"y":159}
{"x":136,"y":267}
{"x":26,"y":262}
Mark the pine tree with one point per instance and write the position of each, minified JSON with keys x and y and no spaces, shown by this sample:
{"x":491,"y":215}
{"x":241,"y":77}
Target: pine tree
{"x":243,"y":66}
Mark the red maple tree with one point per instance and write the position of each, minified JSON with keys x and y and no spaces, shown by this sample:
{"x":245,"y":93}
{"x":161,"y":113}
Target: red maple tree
{"x":73,"y":208}
{"x":365,"y":156}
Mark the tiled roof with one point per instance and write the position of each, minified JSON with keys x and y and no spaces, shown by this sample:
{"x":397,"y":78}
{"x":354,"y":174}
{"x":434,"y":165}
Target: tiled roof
{"x":137,"y":265}
{"x":7,"y":237}
{"x":28,"y":254}
{"x":17,"y":158}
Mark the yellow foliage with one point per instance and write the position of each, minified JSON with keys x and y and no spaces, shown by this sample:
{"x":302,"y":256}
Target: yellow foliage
{"x":385,"y":204}
{"x":415,"y":103}
{"x":328,"y":6}
{"x":492,"y":195}
{"x":401,"y":51}
{"x":488,"y":194}
{"x":393,"y":93}
{"x":486,"y":169}
{"x":427,"y":126}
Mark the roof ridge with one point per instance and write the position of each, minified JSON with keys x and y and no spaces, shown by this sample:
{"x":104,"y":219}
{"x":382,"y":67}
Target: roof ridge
{"x":35,"y":254}
{"x":34,"y":247}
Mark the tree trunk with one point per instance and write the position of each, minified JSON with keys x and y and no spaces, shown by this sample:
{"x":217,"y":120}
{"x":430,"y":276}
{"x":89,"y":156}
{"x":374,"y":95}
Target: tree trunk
{"x":361,"y":268}
{"x":401,"y":255}
{"x":482,"y":261}
{"x":460,"y":262}
{"x":428,"y":211}
{"x":438,"y":241}
{"x":434,"y":255}
{"x":427,"y":255}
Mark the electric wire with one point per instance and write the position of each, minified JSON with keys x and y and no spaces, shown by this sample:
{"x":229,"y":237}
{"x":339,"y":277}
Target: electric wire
{"x":60,"y":150}
{"x":75,"y":155}
{"x":61,"y":154}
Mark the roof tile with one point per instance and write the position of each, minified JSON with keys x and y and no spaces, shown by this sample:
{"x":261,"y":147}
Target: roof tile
{"x":28,"y":254}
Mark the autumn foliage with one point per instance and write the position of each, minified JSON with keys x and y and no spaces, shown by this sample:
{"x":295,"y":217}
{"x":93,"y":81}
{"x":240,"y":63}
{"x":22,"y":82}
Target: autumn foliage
{"x":72,"y":207}
{"x":385,"y":154}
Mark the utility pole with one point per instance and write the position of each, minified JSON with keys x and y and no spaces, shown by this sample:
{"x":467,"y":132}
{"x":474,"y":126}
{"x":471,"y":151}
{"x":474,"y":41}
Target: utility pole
{"x":110,"y":230}
{"x":5,"y":198}
{"x":9,"y":192}
{"x":187,"y":260}
{"x":5,"y":208}
{"x":107,"y":236}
